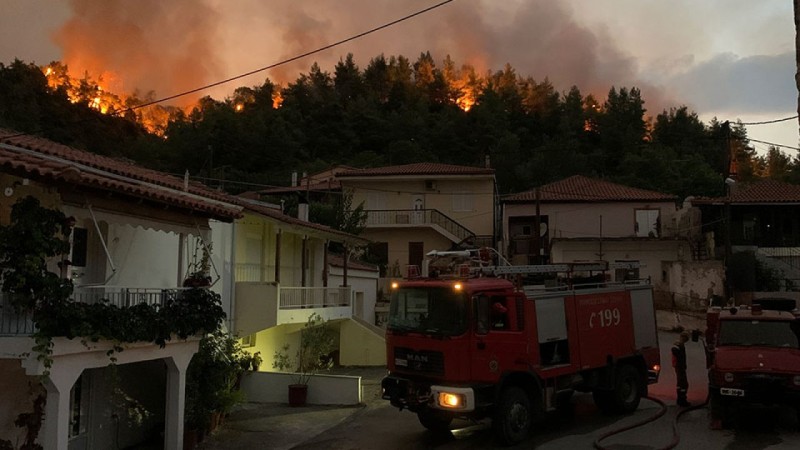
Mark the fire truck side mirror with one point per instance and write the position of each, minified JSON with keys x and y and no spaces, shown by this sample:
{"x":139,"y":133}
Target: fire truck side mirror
{"x":481,"y":302}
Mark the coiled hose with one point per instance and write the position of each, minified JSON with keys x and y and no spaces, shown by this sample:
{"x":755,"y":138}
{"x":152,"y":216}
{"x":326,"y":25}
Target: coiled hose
{"x":676,"y":439}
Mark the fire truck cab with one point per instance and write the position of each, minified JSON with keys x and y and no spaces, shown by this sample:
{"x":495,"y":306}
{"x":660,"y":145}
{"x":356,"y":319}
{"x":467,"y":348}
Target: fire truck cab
{"x":473,"y":344}
{"x":753,"y":356}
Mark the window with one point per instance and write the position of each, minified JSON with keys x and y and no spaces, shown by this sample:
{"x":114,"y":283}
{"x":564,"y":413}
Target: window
{"x":463,"y":201}
{"x":648,"y":222}
{"x":376,"y":201}
{"x":249,"y":340}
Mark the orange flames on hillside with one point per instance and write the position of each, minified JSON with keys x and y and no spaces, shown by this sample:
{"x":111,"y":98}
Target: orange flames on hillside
{"x":97,"y":94}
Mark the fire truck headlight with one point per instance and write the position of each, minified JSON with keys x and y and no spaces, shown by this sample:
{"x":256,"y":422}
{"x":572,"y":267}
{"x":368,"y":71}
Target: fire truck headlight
{"x":796,"y":380}
{"x":728,"y":377}
{"x":452,"y":398}
{"x":449,"y":400}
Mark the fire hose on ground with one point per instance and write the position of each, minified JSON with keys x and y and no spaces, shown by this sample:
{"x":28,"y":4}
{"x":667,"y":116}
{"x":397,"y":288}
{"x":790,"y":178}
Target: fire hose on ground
{"x":676,"y":439}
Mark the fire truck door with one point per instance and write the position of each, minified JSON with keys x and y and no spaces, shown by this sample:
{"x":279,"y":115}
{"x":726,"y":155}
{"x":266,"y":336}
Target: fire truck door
{"x":498,"y":344}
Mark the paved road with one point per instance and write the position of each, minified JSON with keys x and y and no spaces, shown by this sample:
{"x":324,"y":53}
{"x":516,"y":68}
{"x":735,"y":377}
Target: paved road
{"x":379,"y":426}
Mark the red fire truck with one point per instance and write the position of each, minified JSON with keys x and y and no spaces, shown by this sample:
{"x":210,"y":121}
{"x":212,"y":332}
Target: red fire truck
{"x":473,"y":344}
{"x":753,"y":356}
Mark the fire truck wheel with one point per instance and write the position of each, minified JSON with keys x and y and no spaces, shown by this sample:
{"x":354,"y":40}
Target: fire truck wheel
{"x":434,"y":420}
{"x":513,"y":416}
{"x":627,"y":389}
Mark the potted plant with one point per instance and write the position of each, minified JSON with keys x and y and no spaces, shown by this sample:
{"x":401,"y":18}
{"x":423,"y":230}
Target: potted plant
{"x":316,"y":344}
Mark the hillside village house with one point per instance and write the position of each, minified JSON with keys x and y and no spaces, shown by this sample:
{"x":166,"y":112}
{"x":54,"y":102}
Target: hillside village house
{"x":762,"y":217}
{"x":415,"y":208}
{"x":129,"y":246}
{"x":585,"y":219}
{"x":280,"y":270}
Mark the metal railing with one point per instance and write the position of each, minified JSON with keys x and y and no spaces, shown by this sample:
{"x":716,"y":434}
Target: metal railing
{"x":313,"y":297}
{"x":419,"y":217}
{"x":13,"y":323}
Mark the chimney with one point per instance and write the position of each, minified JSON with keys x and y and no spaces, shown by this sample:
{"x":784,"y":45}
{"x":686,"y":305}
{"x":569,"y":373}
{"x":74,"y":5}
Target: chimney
{"x":302,"y":211}
{"x":487,"y":162}
{"x":294,"y":179}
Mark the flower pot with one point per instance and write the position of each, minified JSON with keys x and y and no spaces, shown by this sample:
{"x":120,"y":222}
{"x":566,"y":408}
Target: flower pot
{"x":298,"y":394}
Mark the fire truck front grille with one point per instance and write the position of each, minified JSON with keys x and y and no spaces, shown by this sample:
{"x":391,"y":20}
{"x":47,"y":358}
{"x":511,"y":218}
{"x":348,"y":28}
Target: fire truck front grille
{"x":421,"y":361}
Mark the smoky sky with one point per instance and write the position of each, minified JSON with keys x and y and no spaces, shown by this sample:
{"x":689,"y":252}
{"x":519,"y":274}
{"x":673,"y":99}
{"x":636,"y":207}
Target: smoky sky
{"x":178,"y":45}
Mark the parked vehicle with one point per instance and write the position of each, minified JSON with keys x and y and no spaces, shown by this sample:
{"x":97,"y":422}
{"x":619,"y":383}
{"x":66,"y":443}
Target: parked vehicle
{"x":473,"y":344}
{"x":753,"y":356}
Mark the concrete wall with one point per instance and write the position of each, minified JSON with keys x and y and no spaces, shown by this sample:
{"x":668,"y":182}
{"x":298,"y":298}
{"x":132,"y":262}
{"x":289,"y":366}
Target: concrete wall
{"x":689,"y":285}
{"x":273,"y":387}
{"x":401,"y":193}
{"x":364,"y":286}
{"x":360,"y":346}
{"x":651,"y":253}
{"x":398,"y":239}
{"x":583,"y":220}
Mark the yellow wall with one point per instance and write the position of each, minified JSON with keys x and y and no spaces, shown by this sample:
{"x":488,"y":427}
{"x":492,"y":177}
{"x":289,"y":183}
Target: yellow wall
{"x":360,"y":346}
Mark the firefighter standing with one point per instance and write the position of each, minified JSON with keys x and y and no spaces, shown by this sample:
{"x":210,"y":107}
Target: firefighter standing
{"x":679,"y":363}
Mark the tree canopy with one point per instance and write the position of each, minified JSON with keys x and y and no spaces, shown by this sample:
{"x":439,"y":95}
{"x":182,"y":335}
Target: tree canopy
{"x":393,"y":111}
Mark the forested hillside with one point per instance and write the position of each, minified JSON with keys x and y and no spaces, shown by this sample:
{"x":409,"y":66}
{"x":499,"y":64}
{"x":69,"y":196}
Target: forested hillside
{"x":393,"y":111}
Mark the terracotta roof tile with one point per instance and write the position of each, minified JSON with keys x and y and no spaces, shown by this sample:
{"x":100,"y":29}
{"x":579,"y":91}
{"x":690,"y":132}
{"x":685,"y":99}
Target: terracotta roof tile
{"x":762,"y":191}
{"x":433,"y":169}
{"x":47,"y":159}
{"x":578,"y":188}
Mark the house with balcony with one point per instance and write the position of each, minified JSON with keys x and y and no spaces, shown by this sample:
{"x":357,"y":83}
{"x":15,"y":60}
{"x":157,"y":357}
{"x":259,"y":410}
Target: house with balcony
{"x":280,"y":269}
{"x":586,"y":219}
{"x":134,"y":233}
{"x":415,"y":208}
{"x":762,"y":217}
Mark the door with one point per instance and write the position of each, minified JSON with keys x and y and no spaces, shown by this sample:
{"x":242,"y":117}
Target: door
{"x":499,"y":342}
{"x":416,"y":253}
{"x":418,"y":209}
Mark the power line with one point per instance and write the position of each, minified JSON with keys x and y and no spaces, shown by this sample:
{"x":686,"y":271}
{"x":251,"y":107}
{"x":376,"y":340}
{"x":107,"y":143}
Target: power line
{"x":768,"y":121}
{"x":294,"y":58}
{"x":773,"y":144}
{"x":271,"y":66}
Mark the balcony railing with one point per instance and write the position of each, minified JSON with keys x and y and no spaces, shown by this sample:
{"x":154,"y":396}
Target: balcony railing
{"x":21,"y":324}
{"x":419,"y":217}
{"x":313,"y":297}
{"x":12,"y":323}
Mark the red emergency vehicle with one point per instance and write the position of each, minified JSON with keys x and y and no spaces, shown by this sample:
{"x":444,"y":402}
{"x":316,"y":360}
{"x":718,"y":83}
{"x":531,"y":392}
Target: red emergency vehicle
{"x":473,"y":344}
{"x":753,"y":356}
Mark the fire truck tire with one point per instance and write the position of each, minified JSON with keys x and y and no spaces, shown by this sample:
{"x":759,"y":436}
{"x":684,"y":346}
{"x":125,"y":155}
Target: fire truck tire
{"x":627,"y":389}
{"x":625,"y":395}
{"x":513,"y":416}
{"x":434,"y":420}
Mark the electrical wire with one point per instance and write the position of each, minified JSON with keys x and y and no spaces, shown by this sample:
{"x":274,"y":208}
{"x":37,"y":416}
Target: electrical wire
{"x":773,"y":144}
{"x":286,"y":61}
{"x":271,"y":66}
{"x":767,"y":121}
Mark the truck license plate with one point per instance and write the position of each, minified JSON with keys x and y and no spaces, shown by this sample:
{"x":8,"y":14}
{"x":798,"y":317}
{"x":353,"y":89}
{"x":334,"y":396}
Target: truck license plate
{"x":732,"y":392}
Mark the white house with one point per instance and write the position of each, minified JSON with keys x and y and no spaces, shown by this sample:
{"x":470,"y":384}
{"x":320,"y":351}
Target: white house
{"x":130,"y":246}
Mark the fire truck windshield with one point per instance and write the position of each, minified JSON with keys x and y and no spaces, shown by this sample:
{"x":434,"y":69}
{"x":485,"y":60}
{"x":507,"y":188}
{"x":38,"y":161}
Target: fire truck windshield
{"x":764,"y":333}
{"x":437,"y":311}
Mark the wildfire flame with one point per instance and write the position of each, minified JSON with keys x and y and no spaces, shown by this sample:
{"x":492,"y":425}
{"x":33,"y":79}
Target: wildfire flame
{"x":96,"y":94}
